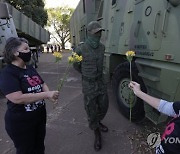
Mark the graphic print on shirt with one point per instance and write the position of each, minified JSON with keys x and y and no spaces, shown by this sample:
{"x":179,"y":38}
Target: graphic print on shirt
{"x":169,"y":129}
{"x":160,"y":150}
{"x":34,"y":80}
{"x":34,"y":86}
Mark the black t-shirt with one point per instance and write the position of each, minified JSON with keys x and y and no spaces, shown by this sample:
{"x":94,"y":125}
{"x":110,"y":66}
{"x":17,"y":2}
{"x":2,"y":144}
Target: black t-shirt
{"x":170,"y":140}
{"x":13,"y":79}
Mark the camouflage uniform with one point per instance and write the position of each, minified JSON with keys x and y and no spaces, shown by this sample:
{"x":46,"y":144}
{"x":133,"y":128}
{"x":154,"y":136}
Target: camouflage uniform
{"x":94,"y":88}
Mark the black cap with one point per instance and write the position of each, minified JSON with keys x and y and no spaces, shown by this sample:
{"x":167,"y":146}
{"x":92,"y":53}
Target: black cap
{"x":94,"y":27}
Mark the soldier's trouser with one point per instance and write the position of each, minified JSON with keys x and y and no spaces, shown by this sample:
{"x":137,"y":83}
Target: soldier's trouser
{"x":96,"y":108}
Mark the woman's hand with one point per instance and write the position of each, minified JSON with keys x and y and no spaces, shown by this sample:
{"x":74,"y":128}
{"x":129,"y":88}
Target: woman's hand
{"x":135,"y":87}
{"x":53,"y":95}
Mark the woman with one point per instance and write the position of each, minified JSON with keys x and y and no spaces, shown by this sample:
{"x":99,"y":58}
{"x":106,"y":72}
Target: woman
{"x":172,"y":132}
{"x":25,"y":118}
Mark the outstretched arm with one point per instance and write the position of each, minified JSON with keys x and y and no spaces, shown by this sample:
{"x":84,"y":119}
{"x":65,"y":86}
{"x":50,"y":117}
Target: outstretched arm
{"x":20,"y":98}
{"x":154,"y":102}
{"x":159,"y":104}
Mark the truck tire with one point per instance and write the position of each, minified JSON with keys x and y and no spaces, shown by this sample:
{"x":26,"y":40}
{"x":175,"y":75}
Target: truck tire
{"x":121,"y":90}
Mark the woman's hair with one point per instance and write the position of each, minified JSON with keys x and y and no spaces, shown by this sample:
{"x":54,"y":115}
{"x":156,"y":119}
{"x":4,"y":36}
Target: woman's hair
{"x":12,"y":45}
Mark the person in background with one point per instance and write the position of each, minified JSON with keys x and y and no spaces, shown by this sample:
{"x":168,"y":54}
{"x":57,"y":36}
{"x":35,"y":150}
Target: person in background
{"x":94,"y":87}
{"x":47,"y":48}
{"x":52,"y":48}
{"x":55,"y":47}
{"x":173,"y":128}
{"x":59,"y":48}
{"x":25,"y":90}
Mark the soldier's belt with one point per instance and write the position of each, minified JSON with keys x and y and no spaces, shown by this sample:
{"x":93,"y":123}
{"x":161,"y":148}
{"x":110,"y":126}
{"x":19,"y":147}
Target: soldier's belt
{"x":91,"y":79}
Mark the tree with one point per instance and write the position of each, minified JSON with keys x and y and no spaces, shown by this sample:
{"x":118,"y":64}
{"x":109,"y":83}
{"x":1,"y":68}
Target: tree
{"x":34,"y":9}
{"x":58,"y":19}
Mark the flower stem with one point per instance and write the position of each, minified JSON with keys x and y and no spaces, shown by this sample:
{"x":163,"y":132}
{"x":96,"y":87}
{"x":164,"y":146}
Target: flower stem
{"x":130,"y":72}
{"x":130,"y":106}
{"x":130,"y":97}
{"x":61,"y":82}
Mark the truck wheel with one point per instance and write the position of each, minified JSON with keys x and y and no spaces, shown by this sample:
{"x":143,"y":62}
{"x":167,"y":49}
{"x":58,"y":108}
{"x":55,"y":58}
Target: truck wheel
{"x":120,"y":81}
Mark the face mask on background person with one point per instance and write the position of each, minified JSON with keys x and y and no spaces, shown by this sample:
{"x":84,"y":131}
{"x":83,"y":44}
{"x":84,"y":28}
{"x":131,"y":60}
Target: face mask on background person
{"x":94,"y":39}
{"x":25,"y":56}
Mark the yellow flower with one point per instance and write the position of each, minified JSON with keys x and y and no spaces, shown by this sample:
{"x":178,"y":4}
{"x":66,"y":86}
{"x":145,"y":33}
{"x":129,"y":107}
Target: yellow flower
{"x":130,"y":53}
{"x":70,"y":59}
{"x":57,"y":55}
{"x":74,"y":58}
{"x":74,"y":54}
{"x":80,"y":58}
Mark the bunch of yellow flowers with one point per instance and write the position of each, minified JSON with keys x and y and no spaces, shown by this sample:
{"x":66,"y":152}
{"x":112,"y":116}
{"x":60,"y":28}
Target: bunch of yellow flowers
{"x":71,"y":59}
{"x":57,"y":55}
{"x":74,"y":58}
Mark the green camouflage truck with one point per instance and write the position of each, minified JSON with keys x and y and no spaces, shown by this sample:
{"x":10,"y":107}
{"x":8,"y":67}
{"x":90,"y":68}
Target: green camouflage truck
{"x":151,"y":28}
{"x":13,"y":23}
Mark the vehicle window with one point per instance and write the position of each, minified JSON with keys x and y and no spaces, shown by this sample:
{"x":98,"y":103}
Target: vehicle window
{"x":100,"y":13}
{"x":113,"y":2}
{"x":84,"y":7}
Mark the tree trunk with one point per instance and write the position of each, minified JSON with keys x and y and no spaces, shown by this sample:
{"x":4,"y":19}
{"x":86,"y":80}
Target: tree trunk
{"x":62,"y":44}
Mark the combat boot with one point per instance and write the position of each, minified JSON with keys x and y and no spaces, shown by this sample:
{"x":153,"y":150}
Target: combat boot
{"x":102,"y":127}
{"x":97,"y":142}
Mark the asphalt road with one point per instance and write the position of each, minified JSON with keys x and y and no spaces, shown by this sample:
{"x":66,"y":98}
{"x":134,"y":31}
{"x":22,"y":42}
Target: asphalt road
{"x":67,"y":127}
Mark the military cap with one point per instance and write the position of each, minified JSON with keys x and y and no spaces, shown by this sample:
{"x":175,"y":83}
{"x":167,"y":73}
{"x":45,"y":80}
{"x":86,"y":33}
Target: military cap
{"x":94,"y":27}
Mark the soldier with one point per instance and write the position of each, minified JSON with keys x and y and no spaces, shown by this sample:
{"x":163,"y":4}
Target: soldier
{"x":47,"y":48}
{"x":52,"y":48}
{"x":94,"y":88}
{"x":59,"y":48}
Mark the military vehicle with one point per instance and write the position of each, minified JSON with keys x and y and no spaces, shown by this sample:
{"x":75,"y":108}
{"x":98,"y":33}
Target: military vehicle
{"x":151,"y":28}
{"x":13,"y":23}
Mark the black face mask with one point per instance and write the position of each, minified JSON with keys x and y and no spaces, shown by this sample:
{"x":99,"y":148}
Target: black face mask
{"x":26,"y":57}
{"x":94,"y":39}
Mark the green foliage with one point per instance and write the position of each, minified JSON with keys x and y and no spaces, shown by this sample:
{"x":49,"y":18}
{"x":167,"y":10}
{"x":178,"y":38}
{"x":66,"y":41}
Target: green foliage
{"x":58,"y":19}
{"x":33,"y":9}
